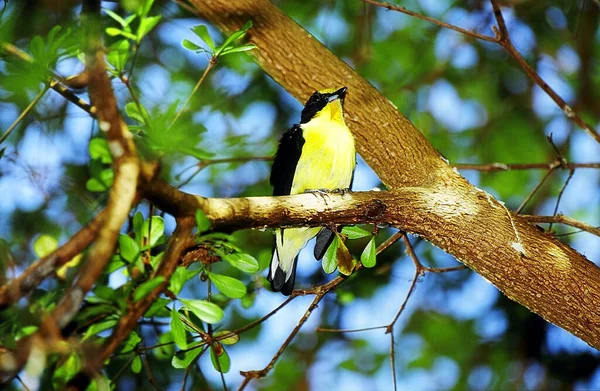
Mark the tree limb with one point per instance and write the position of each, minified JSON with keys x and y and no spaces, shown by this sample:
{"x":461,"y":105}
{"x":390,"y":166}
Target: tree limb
{"x":528,"y":265}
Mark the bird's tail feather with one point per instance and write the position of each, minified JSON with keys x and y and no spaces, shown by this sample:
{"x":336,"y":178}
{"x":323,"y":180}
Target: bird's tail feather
{"x":282,"y":281}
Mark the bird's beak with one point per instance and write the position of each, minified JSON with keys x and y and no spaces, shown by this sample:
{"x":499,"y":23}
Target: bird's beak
{"x":339,"y":94}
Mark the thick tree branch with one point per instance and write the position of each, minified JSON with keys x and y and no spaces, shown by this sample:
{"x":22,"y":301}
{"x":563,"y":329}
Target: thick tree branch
{"x":528,"y":265}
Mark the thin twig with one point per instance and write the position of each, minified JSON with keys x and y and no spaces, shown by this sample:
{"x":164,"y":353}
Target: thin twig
{"x":326,"y":330}
{"x":211,"y":63}
{"x":144,"y":358}
{"x":562,"y":219}
{"x":503,"y":39}
{"x":491,"y":167}
{"x":23,"y":114}
{"x":535,"y":189}
{"x":403,"y":10}
{"x":393,"y":360}
{"x":560,"y":194}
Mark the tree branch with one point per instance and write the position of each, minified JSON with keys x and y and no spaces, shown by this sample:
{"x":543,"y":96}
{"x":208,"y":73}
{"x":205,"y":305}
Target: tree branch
{"x":528,"y":265}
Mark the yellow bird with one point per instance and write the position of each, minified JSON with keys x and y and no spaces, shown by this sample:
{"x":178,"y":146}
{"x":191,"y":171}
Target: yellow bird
{"x":318,"y":153}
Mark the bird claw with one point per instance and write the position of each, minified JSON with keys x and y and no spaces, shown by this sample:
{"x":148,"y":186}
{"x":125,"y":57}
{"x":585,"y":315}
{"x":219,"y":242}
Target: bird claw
{"x":341,"y":191}
{"x":324,"y":193}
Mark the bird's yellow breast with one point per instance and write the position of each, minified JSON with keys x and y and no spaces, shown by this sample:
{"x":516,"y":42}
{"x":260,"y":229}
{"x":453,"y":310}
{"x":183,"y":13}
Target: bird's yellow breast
{"x":328,"y":155}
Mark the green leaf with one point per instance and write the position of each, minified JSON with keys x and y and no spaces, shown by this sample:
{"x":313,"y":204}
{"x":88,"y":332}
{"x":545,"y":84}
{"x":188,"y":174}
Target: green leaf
{"x":238,"y":49}
{"x":189,"y":45}
{"x":205,"y":310}
{"x":133,"y":111}
{"x":220,"y":358}
{"x":116,"y":17}
{"x":229,"y":340}
{"x":354,"y":232}
{"x":179,"y":335}
{"x":202,"y":32}
{"x":66,"y":371}
{"x":146,"y":288}
{"x":44,"y":245}
{"x":245,"y":262}
{"x":138,"y":223}
{"x":144,"y":8}
{"x":128,"y":248}
{"x":131,"y":342}
{"x":136,"y":365}
{"x":235,"y":36}
{"x":146,"y":25}
{"x":183,"y":360}
{"x":178,"y":279}
{"x":157,"y":229}
{"x":345,"y":261}
{"x":167,"y":350}
{"x":98,"y":327}
{"x":118,"y":53}
{"x":229,"y":286}
{"x":368,"y":256}
{"x":198,"y":153}
{"x":330,"y":257}
{"x":99,"y":150}
{"x":202,"y":221}
{"x":158,"y":309}
{"x":113,"y":31}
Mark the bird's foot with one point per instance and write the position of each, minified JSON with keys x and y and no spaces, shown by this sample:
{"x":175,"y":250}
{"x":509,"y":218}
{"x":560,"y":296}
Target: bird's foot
{"x":341,"y":191}
{"x":324,"y":193}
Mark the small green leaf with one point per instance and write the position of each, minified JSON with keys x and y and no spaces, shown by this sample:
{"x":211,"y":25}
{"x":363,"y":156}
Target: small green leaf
{"x":118,"y":53}
{"x":178,"y":279}
{"x":99,"y":150}
{"x":205,"y":310}
{"x":189,"y":45}
{"x":368,"y":256}
{"x":183,"y":360}
{"x":116,"y":17}
{"x":198,"y":153}
{"x":202,"y":221}
{"x":235,"y":36}
{"x":131,"y":342}
{"x":158,"y":309}
{"x":146,"y":25}
{"x":99,"y":327}
{"x":229,"y":286}
{"x":229,"y":340}
{"x":44,"y":245}
{"x":146,"y":288}
{"x":238,"y":49}
{"x":138,"y":223}
{"x":220,"y":358}
{"x":202,"y":32}
{"x":133,"y":111}
{"x":330,"y":257}
{"x":156,"y":231}
{"x":166,"y":350}
{"x":345,"y":261}
{"x":179,"y":335}
{"x":245,"y":262}
{"x":113,"y":31}
{"x":136,"y":365}
{"x":128,"y":248}
{"x":354,"y":232}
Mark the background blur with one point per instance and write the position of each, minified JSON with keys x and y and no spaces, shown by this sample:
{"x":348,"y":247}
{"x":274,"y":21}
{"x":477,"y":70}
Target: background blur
{"x":469,"y":98}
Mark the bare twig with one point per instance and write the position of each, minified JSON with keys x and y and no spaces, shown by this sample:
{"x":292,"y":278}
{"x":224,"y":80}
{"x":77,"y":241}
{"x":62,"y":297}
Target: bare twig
{"x":560,"y":194}
{"x":562,"y":219}
{"x":23,"y":114}
{"x":535,"y":189}
{"x":503,"y":39}
{"x":491,"y":167}
{"x":403,"y":10}
{"x":211,"y":64}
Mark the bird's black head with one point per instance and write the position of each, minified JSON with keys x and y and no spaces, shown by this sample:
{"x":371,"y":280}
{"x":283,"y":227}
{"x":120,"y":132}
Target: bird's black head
{"x":319,"y":100}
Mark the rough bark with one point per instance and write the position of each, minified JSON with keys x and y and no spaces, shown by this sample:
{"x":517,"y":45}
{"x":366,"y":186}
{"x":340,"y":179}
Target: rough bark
{"x":528,"y":265}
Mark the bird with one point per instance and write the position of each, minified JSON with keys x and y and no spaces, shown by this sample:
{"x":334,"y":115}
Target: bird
{"x":315,"y":155}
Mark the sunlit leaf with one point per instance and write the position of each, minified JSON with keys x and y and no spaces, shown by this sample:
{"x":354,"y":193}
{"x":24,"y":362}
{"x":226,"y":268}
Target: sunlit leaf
{"x":238,"y":49}
{"x":99,"y":150}
{"x":44,"y":245}
{"x":202,"y":222}
{"x":156,"y":227}
{"x":229,"y":340}
{"x":330,"y":258}
{"x":229,"y":286}
{"x":368,"y":256}
{"x":136,"y":365}
{"x":128,"y":248}
{"x":202,"y":32}
{"x":245,"y":262}
{"x":354,"y":232}
{"x":189,"y":45}
{"x":178,"y":279}
{"x":182,"y":360}
{"x":179,"y":333}
{"x":146,"y":25}
{"x":205,"y":310}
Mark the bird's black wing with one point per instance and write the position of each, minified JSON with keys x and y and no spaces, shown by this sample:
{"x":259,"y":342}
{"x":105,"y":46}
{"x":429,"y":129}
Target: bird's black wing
{"x":286,"y":160}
